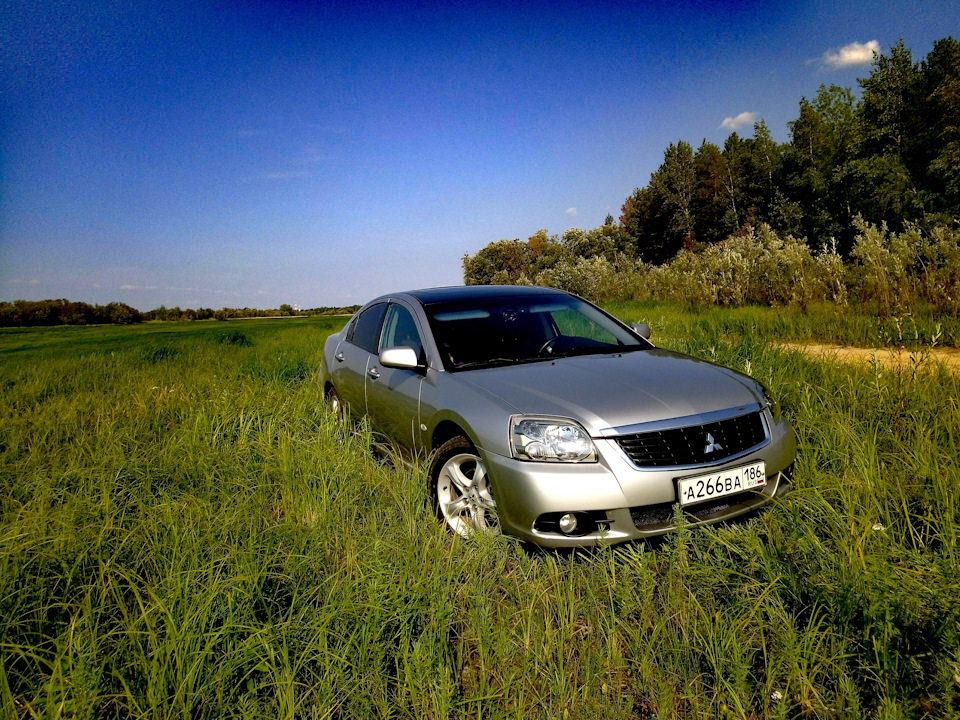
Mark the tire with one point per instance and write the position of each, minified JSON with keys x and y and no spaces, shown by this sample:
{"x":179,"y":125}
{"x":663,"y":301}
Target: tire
{"x":334,"y":402}
{"x":460,"y":489}
{"x":339,"y":412}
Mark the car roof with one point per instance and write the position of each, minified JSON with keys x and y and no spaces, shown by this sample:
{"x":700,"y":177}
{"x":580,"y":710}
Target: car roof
{"x":429,"y":296}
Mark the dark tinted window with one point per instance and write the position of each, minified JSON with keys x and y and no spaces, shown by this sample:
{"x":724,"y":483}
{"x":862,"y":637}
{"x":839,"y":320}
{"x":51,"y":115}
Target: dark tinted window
{"x":504,"y":330}
{"x":366,"y":333}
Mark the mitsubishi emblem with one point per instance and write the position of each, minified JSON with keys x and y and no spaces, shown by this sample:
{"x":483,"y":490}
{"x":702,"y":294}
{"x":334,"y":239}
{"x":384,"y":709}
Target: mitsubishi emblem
{"x":711,"y":445}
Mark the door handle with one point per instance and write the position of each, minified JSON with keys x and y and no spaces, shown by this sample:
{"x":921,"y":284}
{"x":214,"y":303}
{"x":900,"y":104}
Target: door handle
{"x":374,"y":373}
{"x":338,"y":357}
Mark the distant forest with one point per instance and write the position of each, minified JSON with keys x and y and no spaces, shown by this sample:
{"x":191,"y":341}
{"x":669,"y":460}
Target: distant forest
{"x":36,"y":313}
{"x":887,"y":164}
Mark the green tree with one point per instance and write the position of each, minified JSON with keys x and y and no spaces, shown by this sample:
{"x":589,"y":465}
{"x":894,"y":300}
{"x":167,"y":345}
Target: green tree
{"x":881,"y":190}
{"x":888,"y":103}
{"x":675,"y":183}
{"x":937,"y":157}
{"x":712,"y":222}
{"x":731,"y":181}
{"x":762,"y":159}
{"x":644,"y":221}
{"x":823,"y":138}
{"x":879,"y":182}
{"x":605,"y":241}
{"x":512,"y":262}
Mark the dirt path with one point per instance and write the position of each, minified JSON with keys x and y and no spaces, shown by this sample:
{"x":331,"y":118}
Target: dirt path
{"x":887,"y":357}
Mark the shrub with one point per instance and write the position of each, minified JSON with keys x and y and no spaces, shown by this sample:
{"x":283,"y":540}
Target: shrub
{"x":583,"y":277}
{"x":831,"y":272}
{"x":885,"y":259}
{"x":890,"y":271}
{"x":939,"y":281}
{"x":753,"y":266}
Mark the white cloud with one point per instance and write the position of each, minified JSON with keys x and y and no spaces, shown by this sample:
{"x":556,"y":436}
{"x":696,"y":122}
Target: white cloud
{"x":850,"y":55}
{"x":735,"y":123}
{"x":572,"y":212}
{"x":128,"y":286}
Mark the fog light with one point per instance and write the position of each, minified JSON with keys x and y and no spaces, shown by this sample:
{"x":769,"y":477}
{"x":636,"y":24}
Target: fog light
{"x":568,"y":523}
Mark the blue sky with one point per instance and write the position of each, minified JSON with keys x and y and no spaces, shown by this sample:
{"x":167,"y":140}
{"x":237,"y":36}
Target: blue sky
{"x":264,"y":152}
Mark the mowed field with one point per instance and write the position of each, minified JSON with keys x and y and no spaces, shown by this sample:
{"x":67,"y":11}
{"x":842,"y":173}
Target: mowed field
{"x":185,"y":533}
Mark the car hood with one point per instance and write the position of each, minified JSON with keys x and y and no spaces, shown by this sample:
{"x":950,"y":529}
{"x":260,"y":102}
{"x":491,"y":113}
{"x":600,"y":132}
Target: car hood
{"x":608,"y":391}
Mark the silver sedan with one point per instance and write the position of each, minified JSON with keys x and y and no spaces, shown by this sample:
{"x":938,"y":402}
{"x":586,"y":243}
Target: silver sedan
{"x":549,"y":420}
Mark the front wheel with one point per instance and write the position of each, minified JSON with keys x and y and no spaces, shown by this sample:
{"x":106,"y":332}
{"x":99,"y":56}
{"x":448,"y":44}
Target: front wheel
{"x":460,"y":489}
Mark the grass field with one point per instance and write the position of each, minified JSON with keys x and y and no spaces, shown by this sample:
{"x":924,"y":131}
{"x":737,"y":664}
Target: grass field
{"x":185,"y":534}
{"x":821,"y":323}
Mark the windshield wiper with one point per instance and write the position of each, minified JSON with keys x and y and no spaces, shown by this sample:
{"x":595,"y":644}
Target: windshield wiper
{"x":591,"y":350}
{"x":498,"y":362}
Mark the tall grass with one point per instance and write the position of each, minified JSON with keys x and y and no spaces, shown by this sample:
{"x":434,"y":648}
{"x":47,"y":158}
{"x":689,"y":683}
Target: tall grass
{"x":186,"y":533}
{"x":820,"y":323}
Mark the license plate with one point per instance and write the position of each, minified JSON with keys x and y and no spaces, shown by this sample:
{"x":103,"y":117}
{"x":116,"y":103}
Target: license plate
{"x":724,"y":482}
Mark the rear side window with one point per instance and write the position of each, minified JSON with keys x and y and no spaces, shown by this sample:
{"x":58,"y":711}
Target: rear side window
{"x":366,"y":331}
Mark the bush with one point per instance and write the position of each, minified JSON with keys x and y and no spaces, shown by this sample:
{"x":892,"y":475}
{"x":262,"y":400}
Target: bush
{"x":939,"y":282}
{"x":885,"y":260}
{"x":583,"y":277}
{"x":891,"y":272}
{"x":754,"y":266}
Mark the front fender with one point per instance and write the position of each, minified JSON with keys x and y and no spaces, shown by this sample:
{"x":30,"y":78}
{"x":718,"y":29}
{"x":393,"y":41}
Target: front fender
{"x":446,"y":398}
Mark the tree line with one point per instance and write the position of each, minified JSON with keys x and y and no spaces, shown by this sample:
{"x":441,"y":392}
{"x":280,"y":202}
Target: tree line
{"x":38,"y":313}
{"x":34,"y":313}
{"x":889,"y":160}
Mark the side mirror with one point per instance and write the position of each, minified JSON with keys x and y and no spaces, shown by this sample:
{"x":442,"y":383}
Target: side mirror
{"x":399,"y":357}
{"x":641,"y":329}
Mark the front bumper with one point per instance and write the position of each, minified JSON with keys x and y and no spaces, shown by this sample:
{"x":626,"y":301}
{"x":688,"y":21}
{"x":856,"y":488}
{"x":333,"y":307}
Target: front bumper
{"x":618,"y":501}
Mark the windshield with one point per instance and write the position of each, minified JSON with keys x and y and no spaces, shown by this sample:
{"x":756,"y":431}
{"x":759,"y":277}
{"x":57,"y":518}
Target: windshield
{"x":508,"y":330}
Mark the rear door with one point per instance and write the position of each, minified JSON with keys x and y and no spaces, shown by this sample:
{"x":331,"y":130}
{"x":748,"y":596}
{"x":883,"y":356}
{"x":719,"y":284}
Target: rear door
{"x":355,"y":355}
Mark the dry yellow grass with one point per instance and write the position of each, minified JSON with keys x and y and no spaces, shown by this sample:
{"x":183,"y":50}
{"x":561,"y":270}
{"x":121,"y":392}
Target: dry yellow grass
{"x":887,"y":357}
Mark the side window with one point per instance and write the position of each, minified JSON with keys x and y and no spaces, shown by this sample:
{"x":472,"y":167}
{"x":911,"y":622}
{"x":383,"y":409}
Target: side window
{"x":352,"y":328}
{"x":400,"y":330}
{"x":366,"y":332}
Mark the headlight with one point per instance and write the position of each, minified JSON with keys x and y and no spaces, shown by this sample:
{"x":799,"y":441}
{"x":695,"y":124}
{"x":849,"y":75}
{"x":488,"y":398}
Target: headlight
{"x":550,"y":440}
{"x":771,"y":402}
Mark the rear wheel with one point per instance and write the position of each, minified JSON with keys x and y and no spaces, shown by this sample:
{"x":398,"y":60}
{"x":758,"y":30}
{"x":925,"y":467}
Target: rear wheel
{"x":339,"y":412}
{"x":460,"y":490}
{"x":334,"y":402}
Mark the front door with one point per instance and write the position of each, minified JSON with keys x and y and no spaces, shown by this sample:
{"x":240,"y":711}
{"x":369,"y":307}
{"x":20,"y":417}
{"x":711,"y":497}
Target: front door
{"x":393,"y":394}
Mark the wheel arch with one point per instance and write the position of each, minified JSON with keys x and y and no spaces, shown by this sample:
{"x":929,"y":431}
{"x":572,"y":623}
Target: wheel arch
{"x":447,"y":430}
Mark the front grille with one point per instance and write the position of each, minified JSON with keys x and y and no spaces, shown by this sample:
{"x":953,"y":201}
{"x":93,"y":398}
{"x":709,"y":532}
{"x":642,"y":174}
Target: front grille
{"x":688,"y":445}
